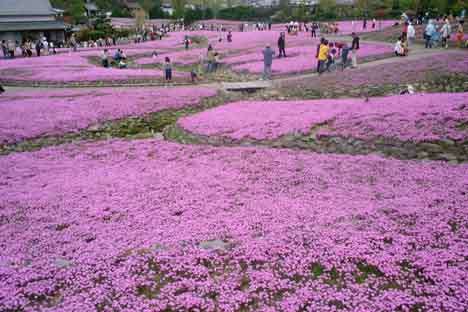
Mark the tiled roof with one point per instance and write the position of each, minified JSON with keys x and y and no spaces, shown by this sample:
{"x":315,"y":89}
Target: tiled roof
{"x":19,"y":26}
{"x":25,"y":7}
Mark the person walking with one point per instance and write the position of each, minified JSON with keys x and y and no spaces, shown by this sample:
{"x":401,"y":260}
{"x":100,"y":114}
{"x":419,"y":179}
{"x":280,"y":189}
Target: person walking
{"x":168,"y":69}
{"x":39,"y":47}
{"x":73,"y":43}
{"x":354,"y":49}
{"x":460,"y":34}
{"x":322,"y":56}
{"x":314,"y":30}
{"x":428,"y":33}
{"x":229,"y":36}
{"x":211,"y":58}
{"x":268,"y":54}
{"x":281,"y":45}
{"x":411,"y":34}
{"x":322,"y":40}
{"x":404,"y":32}
{"x":344,"y":56}
{"x":445,"y":32}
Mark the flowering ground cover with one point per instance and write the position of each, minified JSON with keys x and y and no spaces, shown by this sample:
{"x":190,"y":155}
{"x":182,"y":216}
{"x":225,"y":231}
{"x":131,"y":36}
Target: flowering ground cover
{"x":390,"y":74}
{"x":155,"y":226}
{"x":69,"y":67}
{"x":66,"y":68}
{"x":31,"y":114}
{"x":420,"y":117}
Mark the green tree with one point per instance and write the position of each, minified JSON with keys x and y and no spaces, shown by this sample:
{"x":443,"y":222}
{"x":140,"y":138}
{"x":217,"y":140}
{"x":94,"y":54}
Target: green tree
{"x":59,"y":4}
{"x":146,"y":5}
{"x":208,"y":13}
{"x":301,"y":13}
{"x":179,"y":8}
{"x":327,"y":8}
{"x":76,"y":9}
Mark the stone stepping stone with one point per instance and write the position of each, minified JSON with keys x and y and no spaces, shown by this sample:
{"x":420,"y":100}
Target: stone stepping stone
{"x":215,"y":244}
{"x":249,"y":86}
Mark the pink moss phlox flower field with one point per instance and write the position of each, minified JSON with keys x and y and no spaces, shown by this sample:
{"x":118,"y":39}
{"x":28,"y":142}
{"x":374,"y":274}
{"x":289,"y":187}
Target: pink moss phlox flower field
{"x":396,"y":72}
{"x":34,"y":113}
{"x":68,"y":68}
{"x":134,"y":226}
{"x":419,"y":117}
{"x":179,"y":57}
{"x":303,"y":59}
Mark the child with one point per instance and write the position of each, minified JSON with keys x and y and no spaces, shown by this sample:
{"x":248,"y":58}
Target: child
{"x":168,"y":69}
{"x":193,"y":75}
{"x":331,"y":55}
{"x":104,"y":58}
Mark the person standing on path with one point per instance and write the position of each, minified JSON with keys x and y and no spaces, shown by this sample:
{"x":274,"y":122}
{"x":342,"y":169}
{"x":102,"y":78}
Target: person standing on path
{"x":38,"y":47}
{"x":445,"y":31}
{"x":411,"y":34}
{"x":168,"y":69}
{"x":314,"y":30}
{"x":428,"y":33}
{"x":354,"y":49}
{"x":404,"y":32}
{"x":268,"y":54}
{"x":211,"y":58}
{"x":322,"y":41}
{"x":322,"y":56}
{"x":460,"y":34}
{"x":281,"y":45}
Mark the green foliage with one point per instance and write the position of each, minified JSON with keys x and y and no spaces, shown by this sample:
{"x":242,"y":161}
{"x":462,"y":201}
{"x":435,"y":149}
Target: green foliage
{"x":326,"y":9}
{"x":301,"y":13}
{"x":317,"y":269}
{"x":73,"y":8}
{"x":156,"y":11}
{"x":191,"y":15}
{"x":179,"y":8}
{"x":243,"y":13}
{"x":208,"y":13}
{"x":147,"y":5}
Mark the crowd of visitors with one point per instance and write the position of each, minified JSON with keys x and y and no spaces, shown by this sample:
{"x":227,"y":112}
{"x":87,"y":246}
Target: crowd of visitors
{"x":12,"y":48}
